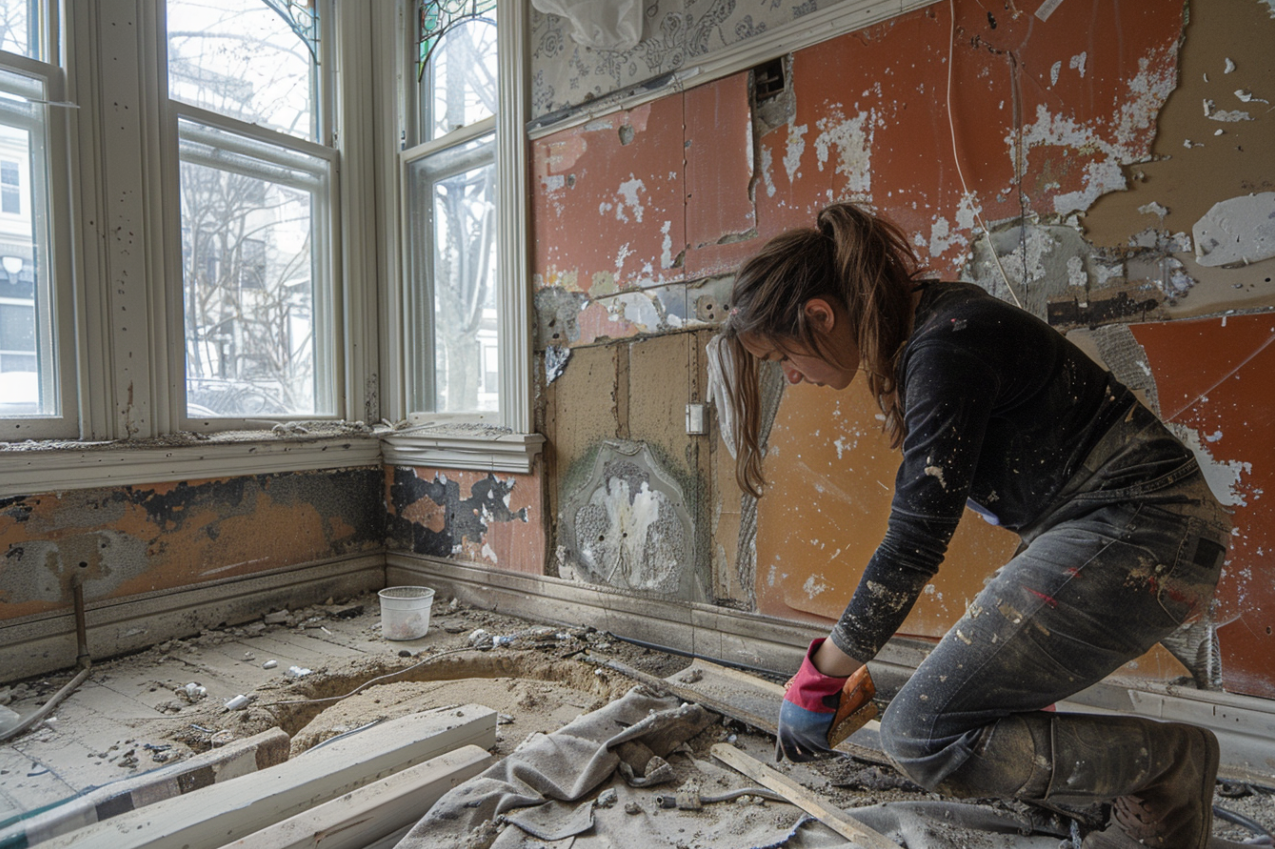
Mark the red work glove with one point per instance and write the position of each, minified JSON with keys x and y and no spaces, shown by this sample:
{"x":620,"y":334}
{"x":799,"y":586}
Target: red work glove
{"x":810,"y":704}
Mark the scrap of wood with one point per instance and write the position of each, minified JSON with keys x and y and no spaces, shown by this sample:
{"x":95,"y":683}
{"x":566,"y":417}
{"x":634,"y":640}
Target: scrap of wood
{"x":745,"y":698}
{"x":225,"y":812}
{"x":236,"y":758}
{"x":833,"y":817}
{"x":734,"y":710}
{"x":374,"y":811}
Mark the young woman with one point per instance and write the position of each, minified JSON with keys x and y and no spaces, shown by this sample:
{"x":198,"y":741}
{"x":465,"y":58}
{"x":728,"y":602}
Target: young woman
{"x":1122,"y":541}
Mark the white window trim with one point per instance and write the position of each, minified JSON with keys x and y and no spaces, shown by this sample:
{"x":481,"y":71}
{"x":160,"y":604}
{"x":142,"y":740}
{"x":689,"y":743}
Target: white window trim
{"x":84,"y":465}
{"x":503,"y":442}
{"x":127,"y":381}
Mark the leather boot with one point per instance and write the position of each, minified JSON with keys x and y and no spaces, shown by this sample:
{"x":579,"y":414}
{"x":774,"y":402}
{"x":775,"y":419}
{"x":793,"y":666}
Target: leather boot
{"x":1159,"y":776}
{"x":1172,"y":808}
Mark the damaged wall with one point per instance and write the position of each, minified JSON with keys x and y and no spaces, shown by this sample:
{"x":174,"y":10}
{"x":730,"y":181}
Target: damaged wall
{"x":126,"y":541}
{"x":674,"y":34}
{"x":1094,"y":143}
{"x":496,"y":520}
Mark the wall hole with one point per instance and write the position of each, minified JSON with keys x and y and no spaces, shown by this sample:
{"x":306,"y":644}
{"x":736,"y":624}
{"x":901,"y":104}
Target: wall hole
{"x":768,"y":79}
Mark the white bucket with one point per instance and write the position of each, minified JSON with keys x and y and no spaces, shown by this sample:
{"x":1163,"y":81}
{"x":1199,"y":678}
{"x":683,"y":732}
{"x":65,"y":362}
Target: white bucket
{"x":405,"y":612}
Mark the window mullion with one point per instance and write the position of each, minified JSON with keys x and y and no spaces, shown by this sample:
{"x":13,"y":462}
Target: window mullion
{"x":512,"y":255}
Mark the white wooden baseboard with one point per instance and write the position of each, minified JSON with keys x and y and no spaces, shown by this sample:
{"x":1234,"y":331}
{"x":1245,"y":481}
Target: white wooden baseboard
{"x":36,"y":645}
{"x":1245,"y":725}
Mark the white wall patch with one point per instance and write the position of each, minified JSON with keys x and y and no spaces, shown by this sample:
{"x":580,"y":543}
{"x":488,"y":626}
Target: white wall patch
{"x":1237,"y":231}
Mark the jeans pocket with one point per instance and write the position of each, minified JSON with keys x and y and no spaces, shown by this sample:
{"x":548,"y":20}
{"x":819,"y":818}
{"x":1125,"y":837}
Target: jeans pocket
{"x":1185,"y":587}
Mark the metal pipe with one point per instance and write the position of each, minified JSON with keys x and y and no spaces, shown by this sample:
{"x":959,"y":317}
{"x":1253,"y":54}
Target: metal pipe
{"x":82,"y":658}
{"x":83,"y":661}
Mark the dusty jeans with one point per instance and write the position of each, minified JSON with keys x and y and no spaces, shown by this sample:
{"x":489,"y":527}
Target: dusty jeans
{"x":1100,"y":579}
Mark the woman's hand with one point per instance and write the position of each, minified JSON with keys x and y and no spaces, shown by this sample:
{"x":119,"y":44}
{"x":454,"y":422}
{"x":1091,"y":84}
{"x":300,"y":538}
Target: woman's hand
{"x":811,"y":699}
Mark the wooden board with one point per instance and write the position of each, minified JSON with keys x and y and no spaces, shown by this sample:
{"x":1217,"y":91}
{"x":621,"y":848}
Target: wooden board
{"x":220,"y":814}
{"x":374,"y":811}
{"x":833,"y":817}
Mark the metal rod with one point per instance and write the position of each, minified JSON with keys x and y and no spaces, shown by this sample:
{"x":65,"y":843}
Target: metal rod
{"x":82,"y":659}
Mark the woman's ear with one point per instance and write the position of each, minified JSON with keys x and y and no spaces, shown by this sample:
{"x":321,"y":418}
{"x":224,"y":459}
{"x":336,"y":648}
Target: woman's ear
{"x":820,"y":314}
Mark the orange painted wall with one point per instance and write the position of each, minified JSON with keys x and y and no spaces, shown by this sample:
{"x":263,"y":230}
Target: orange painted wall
{"x":832,"y":476}
{"x":122,"y":541}
{"x":1214,"y":377}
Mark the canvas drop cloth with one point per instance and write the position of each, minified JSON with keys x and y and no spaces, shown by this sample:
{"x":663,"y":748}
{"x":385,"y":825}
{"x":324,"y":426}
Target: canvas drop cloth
{"x":545,"y":794}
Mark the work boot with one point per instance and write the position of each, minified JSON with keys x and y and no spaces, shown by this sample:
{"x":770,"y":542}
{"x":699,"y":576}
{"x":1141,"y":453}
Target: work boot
{"x":1159,"y":776}
{"x":1174,"y":808}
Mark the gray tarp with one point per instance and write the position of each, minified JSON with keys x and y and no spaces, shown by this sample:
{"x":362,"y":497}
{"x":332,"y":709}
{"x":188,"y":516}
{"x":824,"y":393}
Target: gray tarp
{"x":545,"y":796}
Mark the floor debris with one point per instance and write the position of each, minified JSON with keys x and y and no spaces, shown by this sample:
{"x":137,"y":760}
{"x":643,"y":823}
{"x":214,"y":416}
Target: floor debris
{"x":127,"y":719}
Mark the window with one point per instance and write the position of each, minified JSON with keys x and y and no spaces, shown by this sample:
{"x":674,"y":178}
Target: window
{"x":10,"y":188}
{"x":257,"y":219}
{"x":19,"y":30}
{"x":37,"y":388}
{"x":451,"y":210}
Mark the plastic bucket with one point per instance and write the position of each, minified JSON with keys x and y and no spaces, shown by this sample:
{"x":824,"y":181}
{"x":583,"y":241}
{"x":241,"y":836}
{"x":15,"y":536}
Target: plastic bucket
{"x":405,"y":612}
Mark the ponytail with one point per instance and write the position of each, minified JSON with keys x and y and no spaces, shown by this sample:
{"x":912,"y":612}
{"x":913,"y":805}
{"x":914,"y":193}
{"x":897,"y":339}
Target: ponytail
{"x":851,"y":258}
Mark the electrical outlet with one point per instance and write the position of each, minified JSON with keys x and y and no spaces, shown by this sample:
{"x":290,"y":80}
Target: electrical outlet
{"x":696,"y":419}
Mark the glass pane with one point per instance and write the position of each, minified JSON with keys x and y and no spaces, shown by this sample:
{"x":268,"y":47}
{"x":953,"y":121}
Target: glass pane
{"x":28,"y":365}
{"x":460,"y":81}
{"x":19,"y":27}
{"x":256,"y":315}
{"x":245,"y":59}
{"x":452,"y":267}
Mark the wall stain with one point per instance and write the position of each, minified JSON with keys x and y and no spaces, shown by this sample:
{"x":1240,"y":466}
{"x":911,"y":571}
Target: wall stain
{"x":120,"y":541}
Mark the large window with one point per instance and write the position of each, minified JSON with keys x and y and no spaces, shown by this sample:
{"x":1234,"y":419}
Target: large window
{"x":36,"y":344}
{"x":451,"y":205}
{"x":257,"y":215}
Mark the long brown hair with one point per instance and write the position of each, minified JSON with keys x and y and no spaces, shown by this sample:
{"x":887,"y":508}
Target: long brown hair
{"x":851,"y":258}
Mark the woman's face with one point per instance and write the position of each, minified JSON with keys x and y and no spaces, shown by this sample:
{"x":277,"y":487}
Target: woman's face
{"x":799,"y":363}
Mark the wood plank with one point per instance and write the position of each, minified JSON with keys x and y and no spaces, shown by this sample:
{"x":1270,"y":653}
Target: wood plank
{"x":833,"y":817}
{"x":374,"y":811}
{"x":223,"y":813}
{"x":744,"y":698}
{"x":269,"y":748}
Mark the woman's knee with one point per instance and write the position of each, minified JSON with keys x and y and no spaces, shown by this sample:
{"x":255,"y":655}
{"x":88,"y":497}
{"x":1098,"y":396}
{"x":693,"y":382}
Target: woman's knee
{"x":907,"y":738}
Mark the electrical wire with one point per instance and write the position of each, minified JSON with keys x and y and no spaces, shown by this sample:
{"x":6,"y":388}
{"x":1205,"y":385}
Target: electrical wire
{"x":1244,"y":822}
{"x":956,"y":157}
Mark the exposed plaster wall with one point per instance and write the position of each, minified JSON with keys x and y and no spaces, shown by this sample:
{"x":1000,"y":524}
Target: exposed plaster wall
{"x":1091,"y":160}
{"x":628,"y":487}
{"x":123,"y":541}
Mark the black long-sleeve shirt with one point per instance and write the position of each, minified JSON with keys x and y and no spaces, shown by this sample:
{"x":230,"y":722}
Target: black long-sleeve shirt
{"x":1000,"y":410}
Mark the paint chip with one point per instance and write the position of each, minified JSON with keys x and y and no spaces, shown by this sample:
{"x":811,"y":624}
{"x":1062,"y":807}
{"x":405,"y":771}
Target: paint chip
{"x":1237,"y":231}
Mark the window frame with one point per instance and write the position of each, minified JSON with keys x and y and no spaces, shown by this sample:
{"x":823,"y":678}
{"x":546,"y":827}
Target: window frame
{"x":51,"y":199}
{"x":503,"y":441}
{"x":332,"y":360}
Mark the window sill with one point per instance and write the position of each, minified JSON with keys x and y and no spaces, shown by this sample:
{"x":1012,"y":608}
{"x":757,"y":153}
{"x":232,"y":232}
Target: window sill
{"x":30,"y":468}
{"x":456,"y":446}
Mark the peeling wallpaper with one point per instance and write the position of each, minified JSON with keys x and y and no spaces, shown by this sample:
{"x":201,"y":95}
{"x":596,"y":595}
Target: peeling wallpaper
{"x":675,"y":34}
{"x":1101,"y":164}
{"x":122,"y":541}
{"x":474,"y":517}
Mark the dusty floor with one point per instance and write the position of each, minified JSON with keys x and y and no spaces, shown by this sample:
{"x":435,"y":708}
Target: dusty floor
{"x":138,"y":712}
